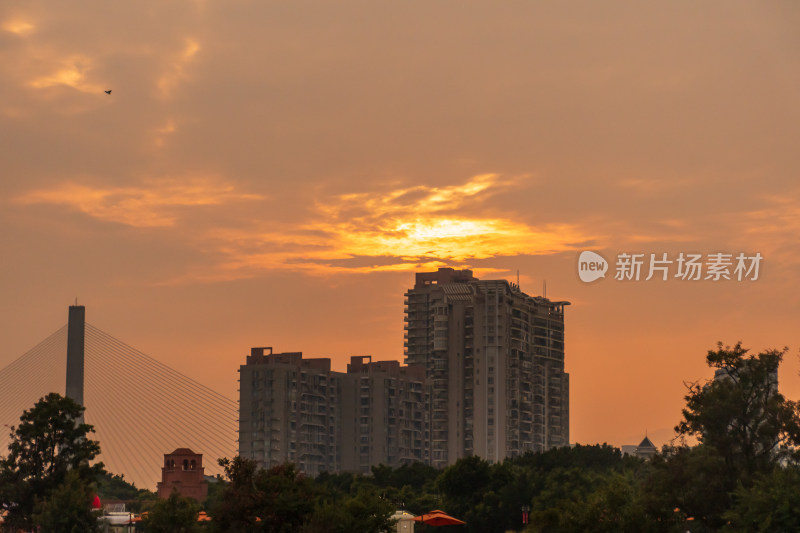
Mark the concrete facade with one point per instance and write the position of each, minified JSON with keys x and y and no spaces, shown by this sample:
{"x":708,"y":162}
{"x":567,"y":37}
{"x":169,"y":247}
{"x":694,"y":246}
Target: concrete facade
{"x":298,"y":410}
{"x":494,"y":359}
{"x":383,"y":412}
{"x":288,"y":411}
{"x":76,"y":328}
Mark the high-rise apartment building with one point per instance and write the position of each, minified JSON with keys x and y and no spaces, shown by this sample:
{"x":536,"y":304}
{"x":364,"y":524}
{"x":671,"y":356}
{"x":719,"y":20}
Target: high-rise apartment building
{"x":298,"y":410}
{"x":288,"y":410}
{"x":383,"y":414}
{"x":494,"y":362}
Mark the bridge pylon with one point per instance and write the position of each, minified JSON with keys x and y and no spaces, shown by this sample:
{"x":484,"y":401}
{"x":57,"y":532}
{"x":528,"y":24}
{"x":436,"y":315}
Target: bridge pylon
{"x":76,"y":330}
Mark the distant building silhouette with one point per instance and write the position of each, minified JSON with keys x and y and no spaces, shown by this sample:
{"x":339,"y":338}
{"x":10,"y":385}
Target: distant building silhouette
{"x":645,"y":450}
{"x":183,"y":471}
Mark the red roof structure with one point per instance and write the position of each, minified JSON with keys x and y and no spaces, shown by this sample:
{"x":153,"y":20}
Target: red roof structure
{"x":438,"y":518}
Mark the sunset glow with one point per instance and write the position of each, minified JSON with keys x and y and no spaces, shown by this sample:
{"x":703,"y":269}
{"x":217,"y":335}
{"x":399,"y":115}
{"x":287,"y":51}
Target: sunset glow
{"x":275,"y":173}
{"x":73,"y":73}
{"x":146,"y":206}
{"x":19,"y":27}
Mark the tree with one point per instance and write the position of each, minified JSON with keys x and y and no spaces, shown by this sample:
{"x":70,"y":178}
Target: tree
{"x":365,"y":511}
{"x":47,"y":443}
{"x":744,"y":428}
{"x":280,"y":499}
{"x":740,"y":413}
{"x":616,"y":505}
{"x":463,"y":484}
{"x":236,"y":507}
{"x":68,"y":509}
{"x":693,"y":482}
{"x":176,"y":514}
{"x":771,"y":504}
{"x":116,"y":487}
{"x":287,"y":498}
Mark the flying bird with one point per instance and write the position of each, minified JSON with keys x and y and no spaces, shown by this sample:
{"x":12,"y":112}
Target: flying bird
{"x":108,"y":91}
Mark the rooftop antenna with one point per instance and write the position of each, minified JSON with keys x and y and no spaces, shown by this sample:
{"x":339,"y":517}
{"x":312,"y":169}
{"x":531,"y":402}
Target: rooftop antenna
{"x":544,"y":288}
{"x":518,"y":278}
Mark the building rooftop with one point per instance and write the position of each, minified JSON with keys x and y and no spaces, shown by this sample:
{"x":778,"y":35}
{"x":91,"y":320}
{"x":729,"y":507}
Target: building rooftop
{"x":646,"y":443}
{"x":183,"y":451}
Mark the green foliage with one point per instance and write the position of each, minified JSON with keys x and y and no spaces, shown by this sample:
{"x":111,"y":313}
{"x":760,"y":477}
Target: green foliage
{"x":276,"y":500}
{"x":552,"y":484}
{"x":411,"y":487}
{"x":569,"y":487}
{"x":215,"y":489}
{"x":617,"y":504}
{"x":743,"y":416}
{"x":463,"y":485}
{"x":45,"y":445}
{"x":365,"y":511}
{"x":115,"y":487}
{"x":287,"y":498}
{"x":772,"y":503}
{"x":237,"y":508}
{"x":696,"y":481}
{"x":176,"y":514}
{"x":335,"y":483}
{"x":283,"y":500}
{"x":68,"y":508}
{"x":414,"y":475}
{"x":745,"y":429}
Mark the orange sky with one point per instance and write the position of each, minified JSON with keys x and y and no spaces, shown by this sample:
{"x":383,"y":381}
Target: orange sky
{"x":272,"y":173}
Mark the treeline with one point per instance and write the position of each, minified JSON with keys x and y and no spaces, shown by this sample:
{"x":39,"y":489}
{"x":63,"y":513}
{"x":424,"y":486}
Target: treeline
{"x":579,"y":489}
{"x":488,"y":497}
{"x":740,"y":474}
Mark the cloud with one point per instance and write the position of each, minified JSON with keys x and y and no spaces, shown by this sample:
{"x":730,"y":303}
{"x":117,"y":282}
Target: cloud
{"x":72,"y":72}
{"x":164,"y":131}
{"x":654,"y":186}
{"x":405,"y":229}
{"x":175,"y":72}
{"x":774,"y":227}
{"x":18,"y":27}
{"x":151,"y":205}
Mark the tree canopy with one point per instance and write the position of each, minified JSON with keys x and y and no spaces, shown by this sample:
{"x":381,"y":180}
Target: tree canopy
{"x":740,"y":413}
{"x":176,"y":514}
{"x":67,"y":509}
{"x":48,"y":443}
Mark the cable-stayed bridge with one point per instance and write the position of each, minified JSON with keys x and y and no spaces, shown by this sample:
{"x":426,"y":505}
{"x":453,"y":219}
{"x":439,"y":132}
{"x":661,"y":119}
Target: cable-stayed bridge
{"x":139,"y":407}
